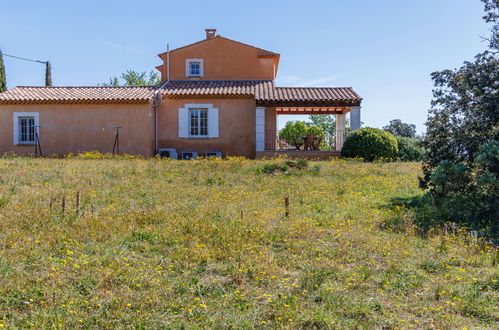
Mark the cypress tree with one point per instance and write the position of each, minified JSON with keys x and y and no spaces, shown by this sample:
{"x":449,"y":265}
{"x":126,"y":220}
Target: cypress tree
{"x":3,"y":78}
{"x":48,"y":74}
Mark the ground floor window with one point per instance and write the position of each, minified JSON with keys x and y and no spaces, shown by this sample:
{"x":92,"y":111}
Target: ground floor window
{"x":25,"y":127}
{"x":198,"y":120}
{"x":27,"y":130}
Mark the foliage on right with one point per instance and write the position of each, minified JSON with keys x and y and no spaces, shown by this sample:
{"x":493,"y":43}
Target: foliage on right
{"x":460,"y":172}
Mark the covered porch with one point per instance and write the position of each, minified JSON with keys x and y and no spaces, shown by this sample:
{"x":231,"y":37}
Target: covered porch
{"x":269,"y":144}
{"x":276,"y":101}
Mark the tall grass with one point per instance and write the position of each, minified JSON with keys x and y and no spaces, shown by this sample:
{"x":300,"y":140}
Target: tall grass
{"x":206,"y":244}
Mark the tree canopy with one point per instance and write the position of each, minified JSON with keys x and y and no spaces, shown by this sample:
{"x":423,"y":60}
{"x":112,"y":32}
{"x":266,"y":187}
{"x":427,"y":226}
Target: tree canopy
{"x":134,"y":78}
{"x":462,"y":134}
{"x":398,"y":128}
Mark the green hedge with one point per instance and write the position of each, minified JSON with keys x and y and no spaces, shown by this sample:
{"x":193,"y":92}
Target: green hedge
{"x":370,"y":144}
{"x":410,"y":149}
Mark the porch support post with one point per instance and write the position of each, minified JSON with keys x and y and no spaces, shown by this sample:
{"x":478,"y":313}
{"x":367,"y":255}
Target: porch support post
{"x":340,"y":131}
{"x":354,"y":118}
{"x":260,"y":128}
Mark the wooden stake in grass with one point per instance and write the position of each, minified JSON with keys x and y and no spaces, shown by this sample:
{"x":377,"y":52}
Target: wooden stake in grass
{"x":242,"y":214}
{"x":78,"y":202}
{"x":286,"y":205}
{"x":63,"y":204}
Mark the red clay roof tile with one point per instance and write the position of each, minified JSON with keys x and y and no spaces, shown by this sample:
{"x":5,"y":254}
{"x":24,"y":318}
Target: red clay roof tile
{"x":264,"y":91}
{"x":82,"y":94}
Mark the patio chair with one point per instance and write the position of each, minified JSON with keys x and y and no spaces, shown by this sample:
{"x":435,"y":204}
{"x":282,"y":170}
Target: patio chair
{"x":317,"y":143}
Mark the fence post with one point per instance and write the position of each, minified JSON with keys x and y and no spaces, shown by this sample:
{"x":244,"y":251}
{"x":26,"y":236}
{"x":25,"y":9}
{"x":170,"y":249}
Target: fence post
{"x":286,"y":205}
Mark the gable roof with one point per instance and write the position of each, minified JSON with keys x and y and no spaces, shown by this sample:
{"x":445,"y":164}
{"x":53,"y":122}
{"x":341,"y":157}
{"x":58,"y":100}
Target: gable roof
{"x":80,"y":94}
{"x":263,"y":51}
{"x":263,"y":91}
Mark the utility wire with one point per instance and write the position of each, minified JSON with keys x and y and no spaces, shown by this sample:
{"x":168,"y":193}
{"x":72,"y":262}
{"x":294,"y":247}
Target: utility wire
{"x":24,"y":59}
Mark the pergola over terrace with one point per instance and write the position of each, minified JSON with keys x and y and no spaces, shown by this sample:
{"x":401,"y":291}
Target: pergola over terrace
{"x":336,"y":101}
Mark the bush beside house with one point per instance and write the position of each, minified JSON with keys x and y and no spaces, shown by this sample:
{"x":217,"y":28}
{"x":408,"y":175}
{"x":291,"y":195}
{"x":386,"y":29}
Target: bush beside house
{"x":370,"y":144}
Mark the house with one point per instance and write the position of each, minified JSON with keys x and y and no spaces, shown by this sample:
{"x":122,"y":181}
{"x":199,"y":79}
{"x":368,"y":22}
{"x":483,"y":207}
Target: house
{"x":217,"y":96}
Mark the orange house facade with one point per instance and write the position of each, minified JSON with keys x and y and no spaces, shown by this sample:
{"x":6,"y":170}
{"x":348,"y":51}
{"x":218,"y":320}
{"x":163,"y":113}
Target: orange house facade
{"x":217,"y":97}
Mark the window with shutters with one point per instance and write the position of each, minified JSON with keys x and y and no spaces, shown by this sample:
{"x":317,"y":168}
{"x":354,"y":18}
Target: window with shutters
{"x":198,"y":120}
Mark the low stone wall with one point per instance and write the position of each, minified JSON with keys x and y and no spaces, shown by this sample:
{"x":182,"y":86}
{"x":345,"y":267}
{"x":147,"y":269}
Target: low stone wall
{"x":307,"y":154}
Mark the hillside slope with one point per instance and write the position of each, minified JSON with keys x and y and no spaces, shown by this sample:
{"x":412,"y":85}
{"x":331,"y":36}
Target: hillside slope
{"x":152,"y":243}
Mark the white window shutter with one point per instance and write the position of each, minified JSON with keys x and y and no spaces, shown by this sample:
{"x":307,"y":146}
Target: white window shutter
{"x":183,"y":122}
{"x":213,"y":122}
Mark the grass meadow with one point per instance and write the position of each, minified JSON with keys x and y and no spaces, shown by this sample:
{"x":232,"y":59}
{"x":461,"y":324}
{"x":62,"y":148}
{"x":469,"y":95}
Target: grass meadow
{"x":133,"y":243}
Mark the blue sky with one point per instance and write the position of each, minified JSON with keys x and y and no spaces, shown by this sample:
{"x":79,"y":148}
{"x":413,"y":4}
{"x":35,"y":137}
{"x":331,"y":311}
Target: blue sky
{"x":385,"y":49}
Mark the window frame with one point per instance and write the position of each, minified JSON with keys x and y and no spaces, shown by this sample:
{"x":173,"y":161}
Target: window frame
{"x":199,"y":122}
{"x":18,"y":130}
{"x":188,"y":72}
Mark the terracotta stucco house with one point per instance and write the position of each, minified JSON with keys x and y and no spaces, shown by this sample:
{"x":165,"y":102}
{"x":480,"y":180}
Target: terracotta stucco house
{"x":217,"y":95}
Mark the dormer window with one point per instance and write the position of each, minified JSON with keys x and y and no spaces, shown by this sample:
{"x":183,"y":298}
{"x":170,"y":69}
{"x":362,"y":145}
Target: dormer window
{"x":194,"y":67}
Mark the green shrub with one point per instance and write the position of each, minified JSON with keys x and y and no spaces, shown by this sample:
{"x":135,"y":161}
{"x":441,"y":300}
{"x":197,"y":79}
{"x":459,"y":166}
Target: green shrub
{"x":468,"y":193}
{"x":370,"y":144}
{"x":274,"y":168}
{"x":410,"y":149}
{"x":302,"y":163}
{"x":293,"y":132}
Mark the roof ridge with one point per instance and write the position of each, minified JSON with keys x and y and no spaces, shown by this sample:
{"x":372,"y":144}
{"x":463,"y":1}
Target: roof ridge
{"x":219,"y":80}
{"x":322,"y":87}
{"x":48,"y":87}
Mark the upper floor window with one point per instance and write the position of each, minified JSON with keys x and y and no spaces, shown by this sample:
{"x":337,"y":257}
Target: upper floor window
{"x":25,"y":126}
{"x":194,"y":67}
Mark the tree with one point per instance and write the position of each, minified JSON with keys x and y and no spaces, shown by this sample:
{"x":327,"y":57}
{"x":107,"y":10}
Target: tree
{"x":134,"y":78}
{"x":3,"y":78}
{"x":464,"y":111}
{"x":462,"y":127}
{"x":48,"y":74}
{"x":398,"y":128}
{"x":328,"y":125}
{"x":293,"y":133}
{"x":326,"y":122}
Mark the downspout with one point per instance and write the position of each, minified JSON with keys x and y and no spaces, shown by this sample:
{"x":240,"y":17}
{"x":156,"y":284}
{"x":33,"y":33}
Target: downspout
{"x":158,"y":98}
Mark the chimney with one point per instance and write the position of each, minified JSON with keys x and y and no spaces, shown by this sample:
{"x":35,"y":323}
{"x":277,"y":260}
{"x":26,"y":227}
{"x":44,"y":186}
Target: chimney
{"x":211,"y":33}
